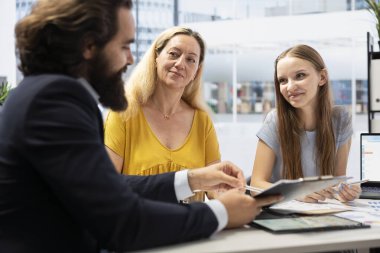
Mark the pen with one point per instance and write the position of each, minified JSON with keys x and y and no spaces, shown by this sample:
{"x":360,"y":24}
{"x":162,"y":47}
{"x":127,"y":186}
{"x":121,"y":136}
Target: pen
{"x":357,"y":182}
{"x":338,"y":187}
{"x":253,"y":189}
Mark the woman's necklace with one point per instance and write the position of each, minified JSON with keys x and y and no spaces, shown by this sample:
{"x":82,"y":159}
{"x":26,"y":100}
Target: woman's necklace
{"x":165,"y":115}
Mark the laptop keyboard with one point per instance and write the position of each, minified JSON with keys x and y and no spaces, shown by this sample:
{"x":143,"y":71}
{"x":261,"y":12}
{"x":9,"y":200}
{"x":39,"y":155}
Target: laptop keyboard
{"x":371,"y":189}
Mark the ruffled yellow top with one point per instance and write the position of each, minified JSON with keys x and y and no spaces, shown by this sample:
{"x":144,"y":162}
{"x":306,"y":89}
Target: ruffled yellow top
{"x":144,"y":154}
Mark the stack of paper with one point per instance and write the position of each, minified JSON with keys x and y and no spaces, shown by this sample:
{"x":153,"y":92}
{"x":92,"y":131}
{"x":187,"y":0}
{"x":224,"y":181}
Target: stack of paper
{"x":364,"y":210}
{"x":325,"y":207}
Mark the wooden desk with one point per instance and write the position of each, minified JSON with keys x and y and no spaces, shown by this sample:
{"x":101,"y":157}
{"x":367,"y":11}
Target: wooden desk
{"x":255,"y":240}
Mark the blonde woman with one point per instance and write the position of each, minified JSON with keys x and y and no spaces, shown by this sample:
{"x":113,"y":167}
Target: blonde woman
{"x":166,"y":127}
{"x":305,"y":135}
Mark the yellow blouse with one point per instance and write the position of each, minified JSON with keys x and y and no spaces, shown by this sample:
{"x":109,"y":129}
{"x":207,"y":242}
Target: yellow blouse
{"x":144,"y":154}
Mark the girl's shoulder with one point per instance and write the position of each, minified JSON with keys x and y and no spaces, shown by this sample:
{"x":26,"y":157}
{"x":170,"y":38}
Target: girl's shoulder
{"x":340,"y":113}
{"x":271,"y":116}
{"x":342,"y":120}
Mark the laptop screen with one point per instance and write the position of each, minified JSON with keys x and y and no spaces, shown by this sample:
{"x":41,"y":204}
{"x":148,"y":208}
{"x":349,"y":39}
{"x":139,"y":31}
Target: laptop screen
{"x":370,"y":156}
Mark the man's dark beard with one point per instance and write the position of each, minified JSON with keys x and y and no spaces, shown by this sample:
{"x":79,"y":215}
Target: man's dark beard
{"x":109,"y":86}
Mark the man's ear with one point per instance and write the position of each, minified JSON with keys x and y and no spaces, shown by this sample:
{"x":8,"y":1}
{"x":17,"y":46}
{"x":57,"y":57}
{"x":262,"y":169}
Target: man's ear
{"x":89,"y":48}
{"x":324,"y":77}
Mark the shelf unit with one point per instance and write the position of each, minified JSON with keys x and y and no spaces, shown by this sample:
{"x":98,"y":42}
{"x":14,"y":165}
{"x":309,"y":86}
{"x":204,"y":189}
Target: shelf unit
{"x":373,"y":86}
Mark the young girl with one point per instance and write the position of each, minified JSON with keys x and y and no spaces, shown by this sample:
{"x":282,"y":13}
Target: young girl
{"x":306,"y":135}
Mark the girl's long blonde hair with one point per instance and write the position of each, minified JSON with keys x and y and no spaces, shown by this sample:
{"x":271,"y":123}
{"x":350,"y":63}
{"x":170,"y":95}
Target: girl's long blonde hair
{"x":290,"y":127}
{"x":142,"y":82}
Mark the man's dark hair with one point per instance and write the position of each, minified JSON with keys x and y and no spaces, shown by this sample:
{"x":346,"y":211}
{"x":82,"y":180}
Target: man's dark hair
{"x":52,"y":38}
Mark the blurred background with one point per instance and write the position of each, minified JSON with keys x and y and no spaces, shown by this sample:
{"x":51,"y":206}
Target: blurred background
{"x":243,"y":39}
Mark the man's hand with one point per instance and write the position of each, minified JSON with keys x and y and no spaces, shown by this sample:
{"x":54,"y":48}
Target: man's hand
{"x":242,"y":208}
{"x":217,"y":177}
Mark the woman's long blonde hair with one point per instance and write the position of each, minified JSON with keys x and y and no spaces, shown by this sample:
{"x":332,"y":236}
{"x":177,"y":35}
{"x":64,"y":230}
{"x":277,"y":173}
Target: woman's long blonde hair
{"x":290,"y":127}
{"x":143,"y":80}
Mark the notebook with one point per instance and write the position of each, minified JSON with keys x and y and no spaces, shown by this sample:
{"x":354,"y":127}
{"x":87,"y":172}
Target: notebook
{"x":370,"y":165}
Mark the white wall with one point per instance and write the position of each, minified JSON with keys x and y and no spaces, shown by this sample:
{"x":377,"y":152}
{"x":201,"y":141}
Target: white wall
{"x":7,"y":41}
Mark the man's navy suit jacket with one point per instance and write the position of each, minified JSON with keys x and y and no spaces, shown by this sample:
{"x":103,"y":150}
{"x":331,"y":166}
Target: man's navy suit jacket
{"x":59,"y":191}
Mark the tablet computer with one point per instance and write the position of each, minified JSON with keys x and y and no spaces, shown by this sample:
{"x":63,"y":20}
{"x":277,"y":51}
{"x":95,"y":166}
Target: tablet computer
{"x":293,"y":189}
{"x":307,"y":224}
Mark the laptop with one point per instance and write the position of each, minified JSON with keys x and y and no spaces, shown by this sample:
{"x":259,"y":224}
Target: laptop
{"x":370,"y":165}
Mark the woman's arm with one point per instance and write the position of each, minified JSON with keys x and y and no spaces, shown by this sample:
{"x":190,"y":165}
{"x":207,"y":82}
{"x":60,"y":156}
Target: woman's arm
{"x":345,"y":192}
{"x":263,"y":166}
{"x":116,"y":160}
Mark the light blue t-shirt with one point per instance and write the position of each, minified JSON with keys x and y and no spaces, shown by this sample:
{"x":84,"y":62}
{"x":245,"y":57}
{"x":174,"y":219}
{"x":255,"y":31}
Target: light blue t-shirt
{"x":268,"y":133}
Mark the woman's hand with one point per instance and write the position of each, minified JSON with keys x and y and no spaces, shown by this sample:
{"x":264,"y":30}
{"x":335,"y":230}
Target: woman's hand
{"x":327,"y":193}
{"x":347,"y":192}
{"x":343,"y":192}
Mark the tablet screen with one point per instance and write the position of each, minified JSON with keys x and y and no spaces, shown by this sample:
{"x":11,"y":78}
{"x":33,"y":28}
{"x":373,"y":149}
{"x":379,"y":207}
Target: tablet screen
{"x":307,"y":223}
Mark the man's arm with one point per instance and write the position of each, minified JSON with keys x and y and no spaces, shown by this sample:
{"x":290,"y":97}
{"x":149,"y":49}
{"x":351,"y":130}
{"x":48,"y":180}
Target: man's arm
{"x":64,"y":144}
{"x":62,"y":139}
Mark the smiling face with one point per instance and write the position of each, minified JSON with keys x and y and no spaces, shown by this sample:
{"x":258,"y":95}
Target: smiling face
{"x":299,"y":82}
{"x":178,"y":62}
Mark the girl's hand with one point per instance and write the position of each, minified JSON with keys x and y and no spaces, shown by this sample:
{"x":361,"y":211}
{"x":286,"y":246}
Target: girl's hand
{"x":318,"y":196}
{"x":347,"y":192}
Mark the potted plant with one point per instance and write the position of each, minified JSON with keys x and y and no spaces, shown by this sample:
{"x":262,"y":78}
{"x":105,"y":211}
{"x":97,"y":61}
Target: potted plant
{"x":374,"y":8}
{"x":5,"y":88}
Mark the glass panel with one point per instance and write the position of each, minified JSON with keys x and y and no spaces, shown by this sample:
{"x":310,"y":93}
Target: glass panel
{"x":255,"y":94}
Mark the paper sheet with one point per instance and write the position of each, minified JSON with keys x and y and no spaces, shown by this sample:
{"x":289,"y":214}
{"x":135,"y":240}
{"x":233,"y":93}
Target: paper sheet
{"x":363,"y":217}
{"x":362,"y":210}
{"x":295,"y":206}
